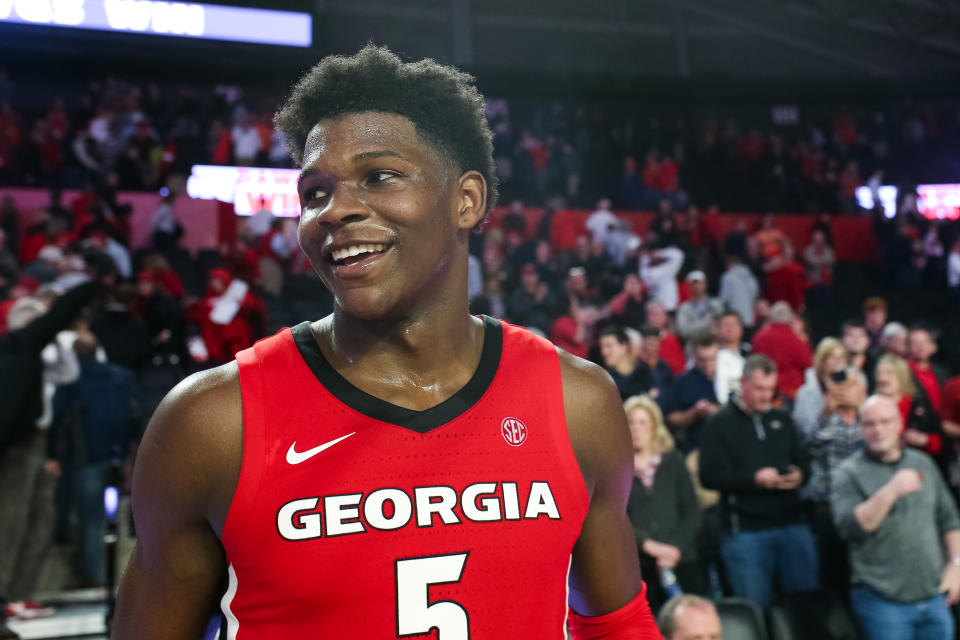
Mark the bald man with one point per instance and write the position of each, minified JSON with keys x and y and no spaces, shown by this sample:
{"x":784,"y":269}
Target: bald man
{"x":689,"y":617}
{"x":891,"y":504}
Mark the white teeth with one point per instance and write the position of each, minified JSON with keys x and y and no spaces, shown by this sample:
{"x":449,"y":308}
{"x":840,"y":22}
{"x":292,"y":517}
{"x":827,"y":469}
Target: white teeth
{"x":355,"y":250}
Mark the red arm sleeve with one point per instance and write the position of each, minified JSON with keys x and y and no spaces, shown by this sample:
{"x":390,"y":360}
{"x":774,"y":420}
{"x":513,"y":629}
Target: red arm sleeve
{"x":632,"y":621}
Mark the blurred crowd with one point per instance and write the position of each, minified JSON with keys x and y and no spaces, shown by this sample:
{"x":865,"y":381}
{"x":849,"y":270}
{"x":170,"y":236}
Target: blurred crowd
{"x":745,"y":418}
{"x":797,"y":159}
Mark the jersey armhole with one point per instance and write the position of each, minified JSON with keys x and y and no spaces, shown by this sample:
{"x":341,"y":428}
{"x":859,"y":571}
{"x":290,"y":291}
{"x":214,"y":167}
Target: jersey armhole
{"x":253,"y":427}
{"x":562,"y":440}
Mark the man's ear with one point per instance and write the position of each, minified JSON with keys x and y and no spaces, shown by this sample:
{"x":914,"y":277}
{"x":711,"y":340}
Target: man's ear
{"x":472,"y":199}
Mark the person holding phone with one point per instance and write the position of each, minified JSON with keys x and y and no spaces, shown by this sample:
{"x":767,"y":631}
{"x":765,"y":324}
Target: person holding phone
{"x":752,"y":454}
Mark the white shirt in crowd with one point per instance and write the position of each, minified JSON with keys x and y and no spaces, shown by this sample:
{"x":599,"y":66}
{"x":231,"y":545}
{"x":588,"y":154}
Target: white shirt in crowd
{"x":661,"y":279}
{"x":600,"y":223}
{"x":729,"y":371}
{"x":246,"y":142}
{"x":259,"y":223}
{"x":953,"y":269}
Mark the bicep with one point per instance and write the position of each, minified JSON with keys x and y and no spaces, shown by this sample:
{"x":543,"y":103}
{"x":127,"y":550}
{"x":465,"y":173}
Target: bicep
{"x":170,"y":587}
{"x":605,"y":569}
{"x":183,"y":466}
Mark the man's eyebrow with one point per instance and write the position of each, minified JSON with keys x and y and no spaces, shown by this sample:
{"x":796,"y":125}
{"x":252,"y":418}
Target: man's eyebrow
{"x":367,"y":155}
{"x":360,"y":157}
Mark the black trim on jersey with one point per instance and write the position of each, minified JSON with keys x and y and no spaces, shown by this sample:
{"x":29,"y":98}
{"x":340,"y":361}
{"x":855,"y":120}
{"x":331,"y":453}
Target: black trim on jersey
{"x":374,"y":407}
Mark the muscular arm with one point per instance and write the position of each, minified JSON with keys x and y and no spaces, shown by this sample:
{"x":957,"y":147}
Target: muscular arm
{"x":187,"y":468}
{"x":605,"y":571}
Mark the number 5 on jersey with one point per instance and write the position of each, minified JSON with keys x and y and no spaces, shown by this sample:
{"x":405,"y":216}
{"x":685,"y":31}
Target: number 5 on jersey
{"x":415,"y":614}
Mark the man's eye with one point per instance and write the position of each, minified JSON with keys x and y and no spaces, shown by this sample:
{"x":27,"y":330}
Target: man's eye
{"x":314,"y":194}
{"x":382,"y":176}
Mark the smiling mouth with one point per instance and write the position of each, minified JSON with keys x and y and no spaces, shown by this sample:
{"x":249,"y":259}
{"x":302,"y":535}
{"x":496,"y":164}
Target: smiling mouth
{"x":355,"y":254}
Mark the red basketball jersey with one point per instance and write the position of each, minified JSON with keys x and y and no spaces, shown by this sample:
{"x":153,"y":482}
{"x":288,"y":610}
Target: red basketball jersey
{"x":358,"y":519}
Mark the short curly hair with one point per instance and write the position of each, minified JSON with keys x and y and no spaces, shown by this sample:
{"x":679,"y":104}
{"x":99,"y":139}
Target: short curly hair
{"x":442,"y":102}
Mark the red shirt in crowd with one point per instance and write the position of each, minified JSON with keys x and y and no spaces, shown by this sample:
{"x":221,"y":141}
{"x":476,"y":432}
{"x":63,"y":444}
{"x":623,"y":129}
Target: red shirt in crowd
{"x":788,"y":350}
{"x":928,"y":379}
{"x":563,"y":333}
{"x":934,"y":443}
{"x":950,"y":400}
{"x":789,"y":283}
{"x":671,"y":351}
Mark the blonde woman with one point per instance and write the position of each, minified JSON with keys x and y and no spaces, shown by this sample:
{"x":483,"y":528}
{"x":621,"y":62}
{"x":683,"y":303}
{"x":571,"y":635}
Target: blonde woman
{"x":921,"y":424}
{"x":663,"y":506}
{"x":808,"y":407}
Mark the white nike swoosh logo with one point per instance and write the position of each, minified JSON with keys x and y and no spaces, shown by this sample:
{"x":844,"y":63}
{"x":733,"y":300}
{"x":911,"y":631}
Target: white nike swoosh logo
{"x":296,"y":457}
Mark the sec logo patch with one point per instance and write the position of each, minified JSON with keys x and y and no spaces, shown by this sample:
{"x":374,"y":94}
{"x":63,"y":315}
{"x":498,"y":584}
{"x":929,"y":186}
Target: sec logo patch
{"x":514,"y":431}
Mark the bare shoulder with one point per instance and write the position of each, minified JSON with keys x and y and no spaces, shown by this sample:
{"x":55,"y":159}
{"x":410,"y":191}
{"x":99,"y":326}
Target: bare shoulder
{"x":193,"y":446}
{"x":595,"y":418}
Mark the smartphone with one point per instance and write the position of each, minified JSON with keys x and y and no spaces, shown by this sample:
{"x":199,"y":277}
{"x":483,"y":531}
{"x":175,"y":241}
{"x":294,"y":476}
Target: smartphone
{"x":838,"y":376}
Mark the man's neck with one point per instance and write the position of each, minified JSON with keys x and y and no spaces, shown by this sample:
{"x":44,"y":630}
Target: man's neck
{"x":857,"y":360}
{"x":923,"y":365}
{"x":625,"y":366}
{"x":731,"y":346}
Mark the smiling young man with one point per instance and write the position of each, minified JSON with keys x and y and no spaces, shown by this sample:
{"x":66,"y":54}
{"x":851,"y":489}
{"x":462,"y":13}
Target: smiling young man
{"x":399,"y":468}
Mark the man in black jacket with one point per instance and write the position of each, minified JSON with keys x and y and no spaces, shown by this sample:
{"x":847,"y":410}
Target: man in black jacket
{"x":752,"y":455}
{"x":22,"y":446}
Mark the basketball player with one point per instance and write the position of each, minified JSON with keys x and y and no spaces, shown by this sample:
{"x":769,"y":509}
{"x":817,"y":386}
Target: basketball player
{"x":399,"y":469}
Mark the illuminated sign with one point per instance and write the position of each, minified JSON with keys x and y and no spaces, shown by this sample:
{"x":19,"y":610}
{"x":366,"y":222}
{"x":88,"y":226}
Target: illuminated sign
{"x":939,"y":201}
{"x":934,"y":201}
{"x":888,"y":198}
{"x":182,"y":19}
{"x":245,"y":186}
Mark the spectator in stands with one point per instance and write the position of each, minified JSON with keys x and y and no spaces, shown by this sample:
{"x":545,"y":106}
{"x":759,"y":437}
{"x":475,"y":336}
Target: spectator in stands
{"x":819,"y":260}
{"x":922,"y":428}
{"x":570,"y":331}
{"x":659,"y":269}
{"x":246,"y":142}
{"x":493,"y":294}
{"x":601,"y":222}
{"x":786,"y":279}
{"x":101,"y":413}
{"x":779,"y":341}
{"x":531,"y":304}
{"x":922,"y":346}
{"x":670,"y":348}
{"x":229,"y":320}
{"x":548,"y":264}
{"x":953,"y":270}
{"x":697,"y":314}
{"x":165,"y":231}
{"x":730,"y":357}
{"x":836,"y":436}
{"x":629,"y":306}
{"x":274,"y":254}
{"x":662,"y":506}
{"x":661,"y":375}
{"x":829,"y":358}
{"x":902,"y":583}
{"x":728,"y":327}
{"x":857,"y":342}
{"x":259,"y":223}
{"x":631,"y":375}
{"x":693,"y":398}
{"x":23,"y":472}
{"x":761,"y":312}
{"x":739,"y":289}
{"x":893,"y":340}
{"x":689,"y":617}
{"x":874,"y":319}
{"x":753,"y":456}
{"x":123,"y":335}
